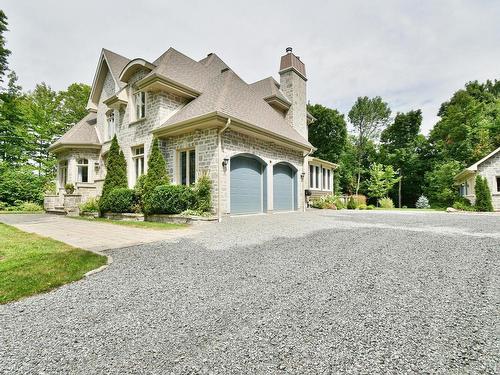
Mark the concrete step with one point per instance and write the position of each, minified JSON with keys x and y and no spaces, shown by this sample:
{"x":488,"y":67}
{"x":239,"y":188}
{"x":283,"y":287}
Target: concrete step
{"x":56,"y":211}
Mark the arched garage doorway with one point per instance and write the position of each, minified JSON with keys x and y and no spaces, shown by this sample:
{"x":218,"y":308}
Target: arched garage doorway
{"x":247,"y":185}
{"x":284,"y":187}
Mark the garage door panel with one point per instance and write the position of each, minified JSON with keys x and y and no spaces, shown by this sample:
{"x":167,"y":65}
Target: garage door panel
{"x":283,"y":188}
{"x":246,"y":185}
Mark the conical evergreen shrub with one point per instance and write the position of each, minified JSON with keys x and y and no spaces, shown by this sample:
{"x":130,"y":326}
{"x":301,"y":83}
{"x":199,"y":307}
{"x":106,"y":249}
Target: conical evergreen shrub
{"x":483,"y":195}
{"x":116,"y":171}
{"x":156,"y":176}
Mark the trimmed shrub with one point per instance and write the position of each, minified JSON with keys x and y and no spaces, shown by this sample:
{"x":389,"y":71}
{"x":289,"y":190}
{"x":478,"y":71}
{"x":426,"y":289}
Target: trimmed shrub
{"x":463,"y":204}
{"x":170,"y":199}
{"x":116,"y":172}
{"x":351,"y":203}
{"x":202,"y":192}
{"x":362,"y":207}
{"x":483,"y":195}
{"x":157,"y":174}
{"x":422,"y":202}
{"x":327,"y":201}
{"x":386,"y":202}
{"x":370,"y":207}
{"x":139,"y":194}
{"x":91,"y":205}
{"x":117,"y":200}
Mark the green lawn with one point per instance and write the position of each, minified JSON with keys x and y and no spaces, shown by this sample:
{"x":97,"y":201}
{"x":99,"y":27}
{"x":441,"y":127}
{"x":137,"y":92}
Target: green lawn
{"x":31,"y":264}
{"x":136,"y":224}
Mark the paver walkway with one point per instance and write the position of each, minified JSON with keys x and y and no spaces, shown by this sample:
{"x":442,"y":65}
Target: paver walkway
{"x":95,"y":236}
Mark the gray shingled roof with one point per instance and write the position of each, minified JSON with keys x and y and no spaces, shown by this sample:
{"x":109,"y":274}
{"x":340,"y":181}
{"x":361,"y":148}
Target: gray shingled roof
{"x":228,"y":94}
{"x":116,"y":64}
{"x":181,"y":69}
{"x":83,"y":132}
{"x":268,"y":87}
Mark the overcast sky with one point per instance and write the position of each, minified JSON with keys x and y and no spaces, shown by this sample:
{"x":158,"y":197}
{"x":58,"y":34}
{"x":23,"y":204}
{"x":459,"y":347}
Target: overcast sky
{"x":414,"y":54}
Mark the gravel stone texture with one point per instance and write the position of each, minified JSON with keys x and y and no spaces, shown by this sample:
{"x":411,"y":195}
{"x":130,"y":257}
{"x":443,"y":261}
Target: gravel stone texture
{"x":319,"y":292}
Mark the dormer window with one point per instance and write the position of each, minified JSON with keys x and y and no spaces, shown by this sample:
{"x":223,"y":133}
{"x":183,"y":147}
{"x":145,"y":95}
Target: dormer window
{"x":140,"y":105}
{"x":110,"y":119}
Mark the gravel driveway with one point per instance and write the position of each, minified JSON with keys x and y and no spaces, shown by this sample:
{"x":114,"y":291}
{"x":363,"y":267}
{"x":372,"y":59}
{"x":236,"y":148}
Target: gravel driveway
{"x":317,"y":292}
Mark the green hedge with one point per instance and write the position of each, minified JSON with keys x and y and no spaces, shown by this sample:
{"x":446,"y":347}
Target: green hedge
{"x":20,"y":185}
{"x":170,"y":199}
{"x":118,"y":200}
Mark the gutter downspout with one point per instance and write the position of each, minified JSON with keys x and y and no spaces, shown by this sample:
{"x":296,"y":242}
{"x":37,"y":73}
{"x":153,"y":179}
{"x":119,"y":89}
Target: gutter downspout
{"x":306,"y":169}
{"x":219,"y":152}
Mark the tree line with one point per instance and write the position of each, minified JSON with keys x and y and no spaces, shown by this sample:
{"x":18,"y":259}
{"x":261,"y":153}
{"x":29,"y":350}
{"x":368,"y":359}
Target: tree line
{"x":379,"y":149}
{"x":30,"y":121}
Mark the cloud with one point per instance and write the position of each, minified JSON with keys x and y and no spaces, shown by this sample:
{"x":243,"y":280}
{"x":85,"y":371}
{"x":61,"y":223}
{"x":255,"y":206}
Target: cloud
{"x":413,"y":54}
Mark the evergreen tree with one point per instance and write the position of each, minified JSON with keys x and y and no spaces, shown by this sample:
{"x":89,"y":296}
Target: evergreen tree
{"x":156,"y":175}
{"x":483,"y":195}
{"x":4,"y":52}
{"x":116,"y":170}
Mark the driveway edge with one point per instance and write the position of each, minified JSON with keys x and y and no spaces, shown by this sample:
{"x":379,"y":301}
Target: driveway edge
{"x":102,"y":268}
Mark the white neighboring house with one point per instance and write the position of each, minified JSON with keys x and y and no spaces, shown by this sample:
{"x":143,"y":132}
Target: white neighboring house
{"x":251,"y":139}
{"x":488,"y":167}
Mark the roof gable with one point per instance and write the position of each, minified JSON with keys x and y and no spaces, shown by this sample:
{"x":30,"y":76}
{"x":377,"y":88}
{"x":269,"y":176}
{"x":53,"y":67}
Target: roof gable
{"x":108,"y":62}
{"x":474,"y":166}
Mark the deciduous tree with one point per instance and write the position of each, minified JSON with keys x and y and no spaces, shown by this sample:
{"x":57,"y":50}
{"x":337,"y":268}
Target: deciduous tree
{"x":368,"y":117}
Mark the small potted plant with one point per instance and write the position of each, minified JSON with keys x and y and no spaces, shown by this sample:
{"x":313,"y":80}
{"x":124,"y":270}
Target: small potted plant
{"x":70,"y":188}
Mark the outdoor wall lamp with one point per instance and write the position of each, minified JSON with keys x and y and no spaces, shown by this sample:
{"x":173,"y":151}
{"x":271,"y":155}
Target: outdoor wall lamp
{"x":302,"y":175}
{"x":224,"y":162}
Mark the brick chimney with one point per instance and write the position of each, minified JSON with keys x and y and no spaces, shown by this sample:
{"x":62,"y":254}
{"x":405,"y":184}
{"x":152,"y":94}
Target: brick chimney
{"x":293,"y":85}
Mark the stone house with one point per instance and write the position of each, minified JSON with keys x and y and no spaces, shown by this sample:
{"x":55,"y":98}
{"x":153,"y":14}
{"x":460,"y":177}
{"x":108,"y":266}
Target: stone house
{"x":251,"y":139}
{"x":488,"y":167}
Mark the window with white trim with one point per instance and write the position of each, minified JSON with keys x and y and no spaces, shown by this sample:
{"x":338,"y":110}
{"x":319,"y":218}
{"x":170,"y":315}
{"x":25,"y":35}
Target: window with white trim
{"x":140,"y":105}
{"x":138,"y":158}
{"x":63,"y":173}
{"x":498,"y":184}
{"x":315,"y":179}
{"x":82,"y":166}
{"x":110,"y":120}
{"x":187,"y":165}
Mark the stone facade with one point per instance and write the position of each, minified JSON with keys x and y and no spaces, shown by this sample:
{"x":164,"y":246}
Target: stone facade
{"x":234,"y":143}
{"x":294,"y":88}
{"x":205,"y":144}
{"x":491,"y":170}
